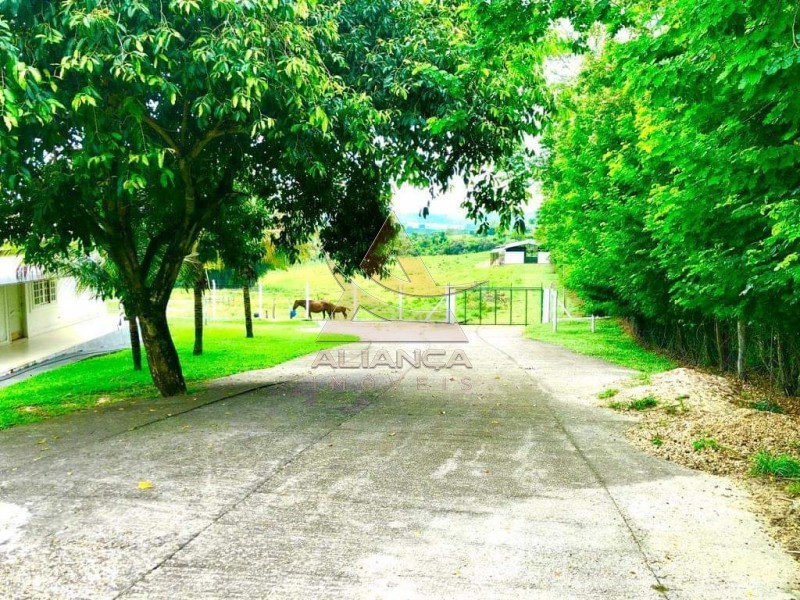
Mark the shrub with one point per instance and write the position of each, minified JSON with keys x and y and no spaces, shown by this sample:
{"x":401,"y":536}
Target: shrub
{"x":640,"y":404}
{"x":643,"y":403}
{"x":704,"y":443}
{"x":680,"y":407}
{"x":767,"y":406}
{"x":793,"y":489}
{"x":609,"y":393}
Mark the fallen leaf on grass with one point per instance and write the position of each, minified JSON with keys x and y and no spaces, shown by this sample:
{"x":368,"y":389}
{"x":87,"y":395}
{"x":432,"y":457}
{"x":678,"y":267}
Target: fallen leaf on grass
{"x":145,"y":485}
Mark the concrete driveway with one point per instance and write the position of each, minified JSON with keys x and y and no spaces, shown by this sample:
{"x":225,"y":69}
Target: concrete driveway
{"x":500,"y":481}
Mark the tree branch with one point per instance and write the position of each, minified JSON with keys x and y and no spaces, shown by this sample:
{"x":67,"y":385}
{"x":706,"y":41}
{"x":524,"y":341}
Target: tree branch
{"x":184,"y":122}
{"x":163,"y":133}
{"x":152,"y":248}
{"x":217,"y":131}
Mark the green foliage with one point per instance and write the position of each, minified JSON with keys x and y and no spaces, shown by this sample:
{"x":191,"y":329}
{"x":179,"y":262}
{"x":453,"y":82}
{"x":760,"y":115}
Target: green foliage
{"x":609,"y":393}
{"x":643,"y":403}
{"x":673,"y":185}
{"x":639,"y":404}
{"x":704,"y":444}
{"x":679,"y":408}
{"x":609,"y":342}
{"x":657,"y":441}
{"x":778,"y":465}
{"x":450,"y":78}
{"x":793,"y":489}
{"x":132,"y":126}
{"x":441,"y":243}
{"x":767,"y":406}
{"x":81,"y":385}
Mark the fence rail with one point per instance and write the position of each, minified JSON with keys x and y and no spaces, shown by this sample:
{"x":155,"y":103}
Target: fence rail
{"x":496,"y":305}
{"x":505,"y":305}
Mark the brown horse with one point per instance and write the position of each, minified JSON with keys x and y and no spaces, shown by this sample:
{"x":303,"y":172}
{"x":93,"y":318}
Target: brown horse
{"x":333,"y":309}
{"x":315,"y":306}
{"x":338,"y":309}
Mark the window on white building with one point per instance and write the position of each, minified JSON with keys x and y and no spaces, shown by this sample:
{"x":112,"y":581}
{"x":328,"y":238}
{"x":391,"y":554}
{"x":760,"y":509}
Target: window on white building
{"x":44,"y":292}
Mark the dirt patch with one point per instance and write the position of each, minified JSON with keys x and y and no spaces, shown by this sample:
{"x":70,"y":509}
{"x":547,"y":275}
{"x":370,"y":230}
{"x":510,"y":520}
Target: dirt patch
{"x":716,"y":424}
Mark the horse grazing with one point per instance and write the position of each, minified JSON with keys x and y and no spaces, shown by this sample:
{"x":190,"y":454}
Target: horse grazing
{"x":338,"y":309}
{"x":314,"y":306}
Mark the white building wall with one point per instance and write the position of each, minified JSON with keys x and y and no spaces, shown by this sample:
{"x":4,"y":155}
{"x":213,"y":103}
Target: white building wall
{"x":515,"y":258}
{"x":3,"y":316}
{"x":71,"y":307}
{"x":543,"y":258}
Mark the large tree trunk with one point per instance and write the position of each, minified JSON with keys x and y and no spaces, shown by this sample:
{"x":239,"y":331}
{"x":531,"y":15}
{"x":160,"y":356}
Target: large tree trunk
{"x":248,"y":314}
{"x":162,"y":358}
{"x":198,"y":316}
{"x":136,"y":346}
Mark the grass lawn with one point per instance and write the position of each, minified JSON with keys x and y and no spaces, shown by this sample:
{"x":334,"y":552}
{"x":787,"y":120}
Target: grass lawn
{"x":609,"y":342}
{"x":226,"y":351}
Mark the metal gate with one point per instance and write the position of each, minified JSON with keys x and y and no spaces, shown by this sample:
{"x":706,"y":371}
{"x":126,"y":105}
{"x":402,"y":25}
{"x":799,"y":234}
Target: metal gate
{"x":499,"y":306}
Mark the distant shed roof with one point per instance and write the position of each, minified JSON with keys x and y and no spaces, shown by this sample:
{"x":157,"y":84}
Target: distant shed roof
{"x":503,"y":248}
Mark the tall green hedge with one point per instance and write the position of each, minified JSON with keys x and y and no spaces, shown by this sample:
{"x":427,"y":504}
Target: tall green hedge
{"x":673,"y":187}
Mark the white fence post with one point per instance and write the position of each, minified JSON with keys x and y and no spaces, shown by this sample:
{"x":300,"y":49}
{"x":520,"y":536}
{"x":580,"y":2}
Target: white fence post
{"x":449,"y":305}
{"x":546,"y":306}
{"x":593,"y":324}
{"x":554,"y":307}
{"x":214,"y":299}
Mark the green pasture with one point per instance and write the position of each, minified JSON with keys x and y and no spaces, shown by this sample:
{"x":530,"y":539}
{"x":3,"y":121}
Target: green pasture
{"x":279,"y":290}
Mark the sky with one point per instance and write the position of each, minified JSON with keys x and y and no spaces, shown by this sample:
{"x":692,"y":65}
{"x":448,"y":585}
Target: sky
{"x":409,"y":200}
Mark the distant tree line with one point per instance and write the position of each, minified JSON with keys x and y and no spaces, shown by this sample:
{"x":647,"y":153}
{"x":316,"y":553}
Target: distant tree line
{"x":673,"y":187}
{"x":454,"y":243}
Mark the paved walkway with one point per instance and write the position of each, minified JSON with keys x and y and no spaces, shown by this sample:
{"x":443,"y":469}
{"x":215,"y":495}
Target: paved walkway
{"x":81,"y":339}
{"x":509,"y":484}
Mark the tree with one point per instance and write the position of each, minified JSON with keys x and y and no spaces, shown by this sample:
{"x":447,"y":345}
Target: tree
{"x":156,"y":106}
{"x":193,"y":277}
{"x":238,"y":239}
{"x":672,"y":182}
{"x":130,"y":124}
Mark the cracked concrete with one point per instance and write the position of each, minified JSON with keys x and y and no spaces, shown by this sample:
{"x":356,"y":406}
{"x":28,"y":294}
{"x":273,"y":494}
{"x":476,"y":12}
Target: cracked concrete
{"x":501,"y":481}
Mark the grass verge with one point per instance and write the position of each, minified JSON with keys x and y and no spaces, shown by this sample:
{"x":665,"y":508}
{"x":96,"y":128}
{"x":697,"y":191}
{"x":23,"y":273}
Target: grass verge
{"x":609,"y":342}
{"x":110,"y":378}
{"x":777,"y":465}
